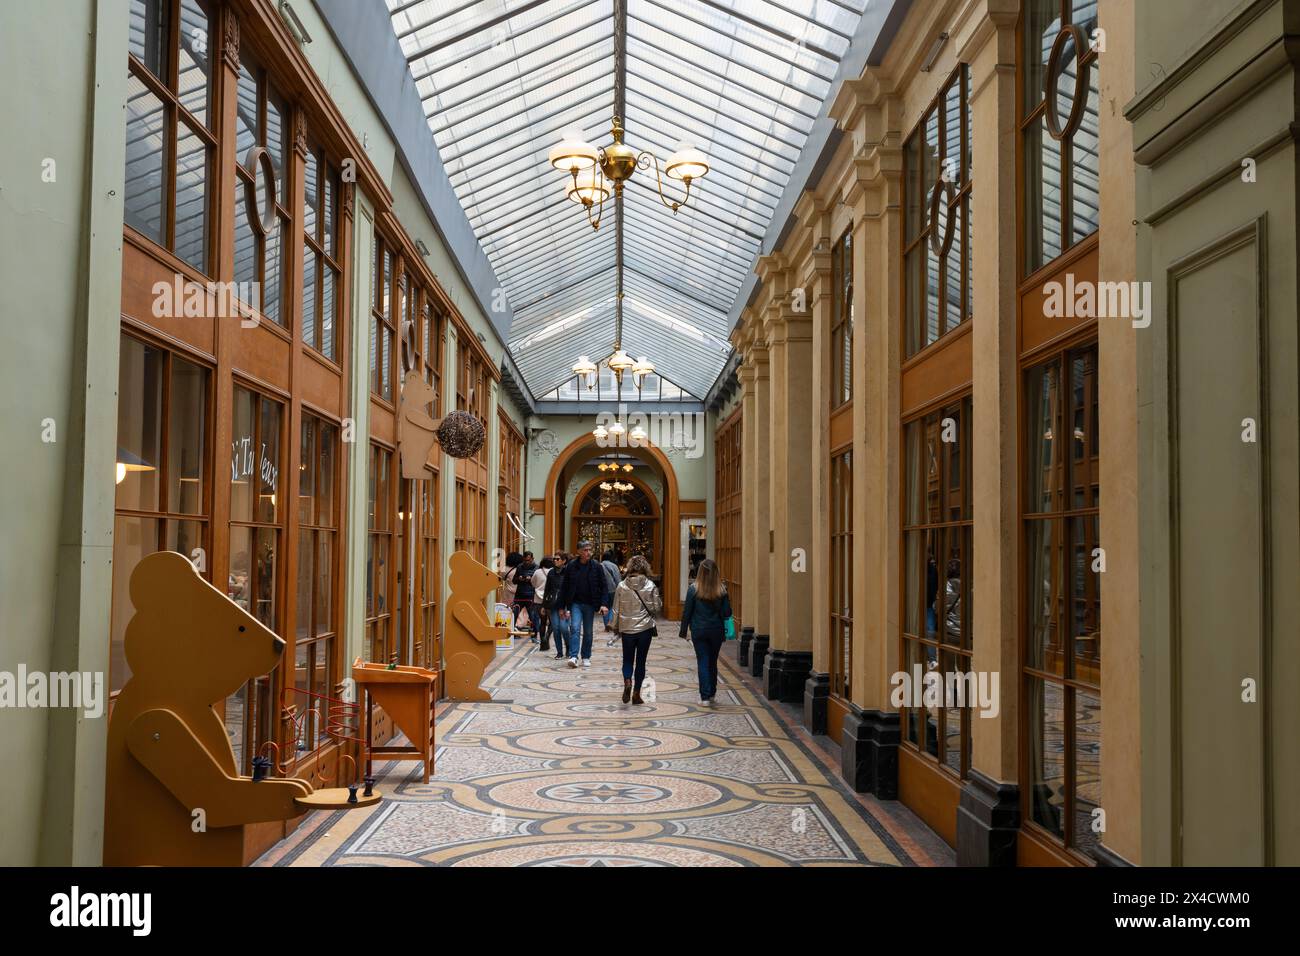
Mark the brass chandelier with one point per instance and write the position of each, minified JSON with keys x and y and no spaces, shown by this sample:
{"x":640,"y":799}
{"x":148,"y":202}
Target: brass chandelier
{"x":594,"y":169}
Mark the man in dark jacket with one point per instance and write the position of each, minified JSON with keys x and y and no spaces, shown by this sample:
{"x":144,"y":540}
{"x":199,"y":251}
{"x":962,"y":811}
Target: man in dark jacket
{"x":585,"y":589}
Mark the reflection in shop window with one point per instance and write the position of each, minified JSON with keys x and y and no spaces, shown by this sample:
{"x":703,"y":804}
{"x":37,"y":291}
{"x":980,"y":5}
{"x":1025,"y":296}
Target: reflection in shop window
{"x":161,"y":493}
{"x":937,"y":559}
{"x":1062,"y":612}
{"x":255,"y":516}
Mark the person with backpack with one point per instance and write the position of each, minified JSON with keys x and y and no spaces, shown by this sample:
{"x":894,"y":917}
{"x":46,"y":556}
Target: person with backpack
{"x":522,"y":577}
{"x":707,"y":610}
{"x":633,"y":609}
{"x":539,"y":591}
{"x":551,"y":605}
{"x":613,"y":576}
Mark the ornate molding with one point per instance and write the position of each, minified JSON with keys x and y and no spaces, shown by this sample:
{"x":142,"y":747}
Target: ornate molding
{"x":300,"y":133}
{"x":349,"y":199}
{"x":230,"y":42}
{"x":545,"y":443}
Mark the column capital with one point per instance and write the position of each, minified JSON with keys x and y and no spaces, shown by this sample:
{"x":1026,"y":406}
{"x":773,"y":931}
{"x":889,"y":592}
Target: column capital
{"x":771,"y":271}
{"x":810,"y":213}
{"x":877,"y":177}
{"x":995,"y":23}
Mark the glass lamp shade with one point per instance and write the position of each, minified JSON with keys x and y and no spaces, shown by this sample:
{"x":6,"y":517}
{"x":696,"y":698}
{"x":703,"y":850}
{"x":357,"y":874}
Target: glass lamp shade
{"x":587,"y":189}
{"x":641,"y":369}
{"x":620,"y":362}
{"x":687,"y":163}
{"x":627,"y":467}
{"x":600,"y":433}
{"x":617,"y":428}
{"x":573,"y":155}
{"x":638,"y":435}
{"x":606,"y":486}
{"x":585,"y":369}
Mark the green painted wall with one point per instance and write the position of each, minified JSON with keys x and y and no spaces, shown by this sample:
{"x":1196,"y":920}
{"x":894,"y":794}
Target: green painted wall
{"x":64,"y":82}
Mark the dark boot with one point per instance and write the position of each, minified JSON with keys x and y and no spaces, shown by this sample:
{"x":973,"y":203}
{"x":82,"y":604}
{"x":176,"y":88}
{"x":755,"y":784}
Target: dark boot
{"x":627,"y":691}
{"x":636,"y":696}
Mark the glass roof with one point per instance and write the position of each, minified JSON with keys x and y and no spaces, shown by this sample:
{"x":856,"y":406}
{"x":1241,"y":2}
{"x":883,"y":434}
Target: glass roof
{"x":502,"y":81}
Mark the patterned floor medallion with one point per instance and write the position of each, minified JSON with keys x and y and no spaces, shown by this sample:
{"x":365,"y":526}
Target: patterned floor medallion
{"x":566,"y":774}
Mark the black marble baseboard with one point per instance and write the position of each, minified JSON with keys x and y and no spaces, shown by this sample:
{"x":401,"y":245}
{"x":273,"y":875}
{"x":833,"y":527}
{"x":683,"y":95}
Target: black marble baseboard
{"x":787,"y":671}
{"x":988,"y":822}
{"x":869,"y":752}
{"x":742,"y":652}
{"x":758,"y":654}
{"x":816,"y":694}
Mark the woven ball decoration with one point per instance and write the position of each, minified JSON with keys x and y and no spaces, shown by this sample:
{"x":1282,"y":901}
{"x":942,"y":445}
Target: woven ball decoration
{"x":461,"y":434}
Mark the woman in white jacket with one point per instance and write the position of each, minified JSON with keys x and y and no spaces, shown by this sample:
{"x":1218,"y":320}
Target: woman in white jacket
{"x":633,"y":610}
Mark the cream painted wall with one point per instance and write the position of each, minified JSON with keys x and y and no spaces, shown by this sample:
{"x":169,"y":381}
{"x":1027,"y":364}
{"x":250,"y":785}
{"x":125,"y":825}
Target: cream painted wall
{"x":694,"y":480}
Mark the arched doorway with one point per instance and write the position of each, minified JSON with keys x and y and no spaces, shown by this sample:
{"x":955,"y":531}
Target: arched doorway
{"x":626,"y":522}
{"x":570,"y":461}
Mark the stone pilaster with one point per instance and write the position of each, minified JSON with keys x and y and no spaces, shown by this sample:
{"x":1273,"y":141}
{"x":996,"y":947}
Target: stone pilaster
{"x":991,"y":53}
{"x":793,"y":569}
{"x":868,"y":110}
{"x":814,"y":281}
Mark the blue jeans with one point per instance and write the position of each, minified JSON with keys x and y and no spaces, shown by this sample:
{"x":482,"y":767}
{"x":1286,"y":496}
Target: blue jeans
{"x":559,"y":631}
{"x":708,"y":644}
{"x":636,"y":648}
{"x":587,"y":613}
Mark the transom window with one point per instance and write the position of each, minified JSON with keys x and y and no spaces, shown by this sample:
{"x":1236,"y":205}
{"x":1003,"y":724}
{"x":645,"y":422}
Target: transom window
{"x":262,"y":161}
{"x":170,"y":141}
{"x":1059,"y":133}
{"x":936,"y":218}
{"x":321,"y":269}
{"x":383,"y":323}
{"x":842,"y":320}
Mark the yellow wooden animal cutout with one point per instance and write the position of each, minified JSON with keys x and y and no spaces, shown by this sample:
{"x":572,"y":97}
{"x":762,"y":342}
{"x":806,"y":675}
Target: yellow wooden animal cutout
{"x":469,"y":640}
{"x":175,"y":795}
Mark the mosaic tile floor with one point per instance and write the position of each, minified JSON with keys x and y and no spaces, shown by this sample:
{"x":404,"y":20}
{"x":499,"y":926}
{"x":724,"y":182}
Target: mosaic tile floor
{"x":565,"y":774}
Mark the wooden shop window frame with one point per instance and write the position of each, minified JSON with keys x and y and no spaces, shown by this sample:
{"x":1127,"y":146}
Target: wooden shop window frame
{"x":322,"y":524}
{"x":164,"y":514}
{"x":1079,"y":673}
{"x":920,"y":236}
{"x":324,"y":248}
{"x":251,"y":172}
{"x":384,"y":267}
{"x":1036,"y":121}
{"x":510,"y":452}
{"x":261,"y":718}
{"x":380,"y":638}
{"x":840,"y":517}
{"x":842,"y":278}
{"x":962,"y":527}
{"x":177,"y":116}
{"x":1040,"y":345}
{"x":728,"y":487}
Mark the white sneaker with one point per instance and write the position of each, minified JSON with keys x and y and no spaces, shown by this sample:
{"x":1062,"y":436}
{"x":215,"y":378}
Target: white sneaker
{"x":704,"y":702}
{"x":573,"y":662}
{"x":586,"y":662}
